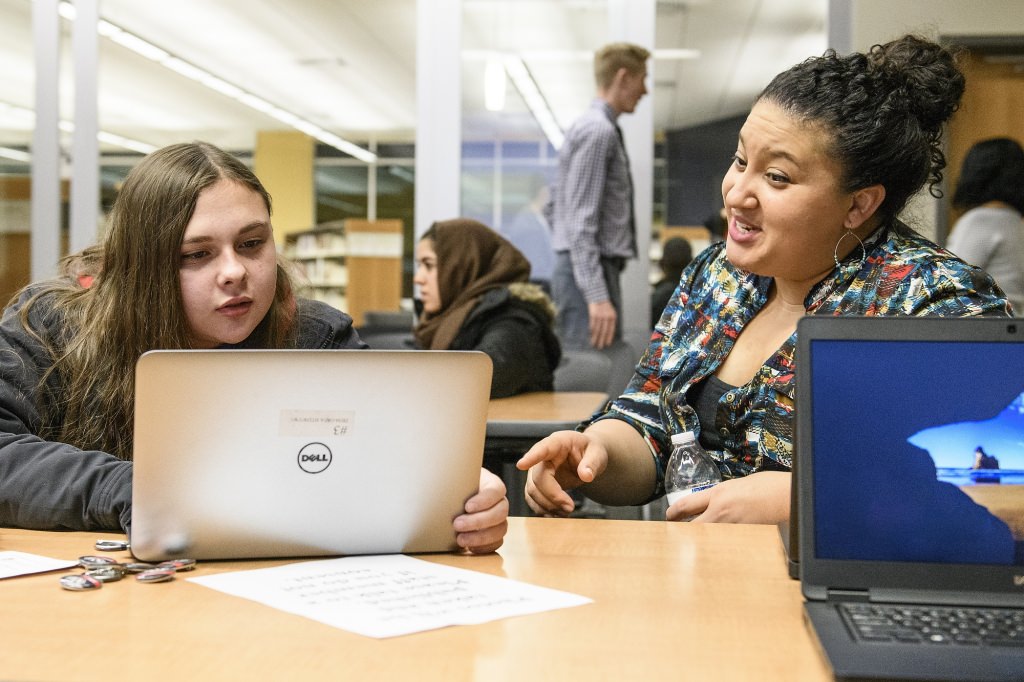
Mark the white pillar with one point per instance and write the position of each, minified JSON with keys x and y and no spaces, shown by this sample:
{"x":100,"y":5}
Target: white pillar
{"x":633,"y":21}
{"x":840,"y":26}
{"x":85,"y":153}
{"x":438,"y":111}
{"x":45,"y":238}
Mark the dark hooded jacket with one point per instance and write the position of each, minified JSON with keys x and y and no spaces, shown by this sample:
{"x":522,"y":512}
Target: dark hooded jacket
{"x":513,"y":326}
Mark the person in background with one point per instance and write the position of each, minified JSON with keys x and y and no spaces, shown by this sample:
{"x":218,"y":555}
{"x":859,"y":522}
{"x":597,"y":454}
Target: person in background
{"x":475,"y":295}
{"x":591,"y":208}
{"x":990,"y":234}
{"x":529,"y":231}
{"x":676,"y":254}
{"x":827,"y":158}
{"x":716,"y":225}
{"x":188,"y":261}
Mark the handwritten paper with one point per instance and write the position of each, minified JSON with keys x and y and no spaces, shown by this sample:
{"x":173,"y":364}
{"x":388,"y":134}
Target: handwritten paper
{"x":20,"y":563}
{"x":386,"y":596}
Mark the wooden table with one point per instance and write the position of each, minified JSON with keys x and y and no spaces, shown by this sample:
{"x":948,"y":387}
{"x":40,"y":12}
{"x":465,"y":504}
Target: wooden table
{"x":535,"y":415}
{"x":516,"y":423}
{"x":671,"y":601}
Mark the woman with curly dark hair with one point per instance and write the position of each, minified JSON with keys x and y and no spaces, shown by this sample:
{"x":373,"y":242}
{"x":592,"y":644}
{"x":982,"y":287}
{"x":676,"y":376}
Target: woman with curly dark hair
{"x":828,"y":157}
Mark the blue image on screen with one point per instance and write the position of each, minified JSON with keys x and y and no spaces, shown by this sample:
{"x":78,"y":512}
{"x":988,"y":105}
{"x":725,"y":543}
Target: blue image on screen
{"x":955,"y":448}
{"x":895,"y":429}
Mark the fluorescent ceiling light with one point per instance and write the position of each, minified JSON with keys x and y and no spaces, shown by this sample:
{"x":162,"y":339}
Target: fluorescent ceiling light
{"x":127,"y":143}
{"x":678,"y":53}
{"x":25,"y":117}
{"x":515,"y":67}
{"x":577,"y":55}
{"x":531,"y":94}
{"x":69,"y":127}
{"x":15,"y":154}
{"x":194,"y":73}
{"x":494,"y":84}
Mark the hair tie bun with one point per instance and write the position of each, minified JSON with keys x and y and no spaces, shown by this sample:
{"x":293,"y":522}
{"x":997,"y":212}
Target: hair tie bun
{"x":923,"y":75}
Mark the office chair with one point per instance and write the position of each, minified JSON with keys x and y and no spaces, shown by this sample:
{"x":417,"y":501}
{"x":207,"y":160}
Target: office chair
{"x":387,"y":329}
{"x":622,"y":359}
{"x":388,"y":320}
{"x":583,"y":370}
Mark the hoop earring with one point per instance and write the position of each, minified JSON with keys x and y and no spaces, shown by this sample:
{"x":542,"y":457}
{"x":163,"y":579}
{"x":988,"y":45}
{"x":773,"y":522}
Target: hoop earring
{"x":863,"y":250}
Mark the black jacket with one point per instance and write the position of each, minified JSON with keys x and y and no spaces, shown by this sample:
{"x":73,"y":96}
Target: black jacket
{"x":54,"y":486}
{"x":518,"y":337}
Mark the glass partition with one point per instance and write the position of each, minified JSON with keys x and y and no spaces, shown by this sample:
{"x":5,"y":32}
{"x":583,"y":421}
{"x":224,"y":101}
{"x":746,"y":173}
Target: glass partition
{"x":17,"y":121}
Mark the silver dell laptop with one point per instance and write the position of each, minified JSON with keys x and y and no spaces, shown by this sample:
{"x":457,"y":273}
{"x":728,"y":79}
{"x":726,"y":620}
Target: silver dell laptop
{"x":279,"y":453}
{"x":912,"y":544}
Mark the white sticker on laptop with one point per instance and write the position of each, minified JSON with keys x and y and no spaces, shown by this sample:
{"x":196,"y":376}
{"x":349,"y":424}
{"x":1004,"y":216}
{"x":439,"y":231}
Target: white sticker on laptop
{"x":316,"y":423}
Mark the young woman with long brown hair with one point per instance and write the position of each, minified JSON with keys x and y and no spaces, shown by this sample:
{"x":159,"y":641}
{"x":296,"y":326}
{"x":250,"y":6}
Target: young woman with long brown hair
{"x":188,"y":261}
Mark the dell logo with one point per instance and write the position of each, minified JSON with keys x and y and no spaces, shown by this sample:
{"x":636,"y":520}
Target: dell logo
{"x":314,"y":458}
{"x":1018,"y":581}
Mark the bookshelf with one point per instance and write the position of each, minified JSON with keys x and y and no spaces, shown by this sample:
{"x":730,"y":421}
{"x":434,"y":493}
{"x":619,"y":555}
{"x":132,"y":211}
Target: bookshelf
{"x":353,"y":265}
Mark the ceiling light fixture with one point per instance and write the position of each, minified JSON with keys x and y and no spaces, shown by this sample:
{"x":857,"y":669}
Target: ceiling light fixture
{"x":523,"y":81}
{"x":677,"y":53}
{"x":494,"y":84}
{"x":194,"y":73}
{"x":15,"y":154}
{"x":579,"y":55}
{"x":29,"y":117}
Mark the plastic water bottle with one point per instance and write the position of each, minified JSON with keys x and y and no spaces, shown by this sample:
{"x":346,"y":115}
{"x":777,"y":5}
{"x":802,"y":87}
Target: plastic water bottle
{"x":690,"y":467}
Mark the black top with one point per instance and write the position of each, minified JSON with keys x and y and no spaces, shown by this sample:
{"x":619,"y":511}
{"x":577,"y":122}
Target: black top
{"x":518,"y":337}
{"x":705,"y":396}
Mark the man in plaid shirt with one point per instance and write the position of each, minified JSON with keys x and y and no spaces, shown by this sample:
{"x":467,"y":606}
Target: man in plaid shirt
{"x":591,"y":208}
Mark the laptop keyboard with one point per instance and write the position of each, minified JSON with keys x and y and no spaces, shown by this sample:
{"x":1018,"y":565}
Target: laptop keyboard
{"x":935,"y":625}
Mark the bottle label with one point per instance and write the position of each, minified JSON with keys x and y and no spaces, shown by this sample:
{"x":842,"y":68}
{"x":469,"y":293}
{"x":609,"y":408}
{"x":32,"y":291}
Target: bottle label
{"x":679,"y":494}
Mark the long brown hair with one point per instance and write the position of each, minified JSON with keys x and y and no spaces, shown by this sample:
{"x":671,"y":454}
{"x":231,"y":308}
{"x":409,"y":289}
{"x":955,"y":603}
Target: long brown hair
{"x":135,"y":305}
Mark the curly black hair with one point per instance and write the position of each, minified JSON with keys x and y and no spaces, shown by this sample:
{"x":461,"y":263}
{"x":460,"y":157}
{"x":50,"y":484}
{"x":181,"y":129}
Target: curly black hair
{"x":884,"y":111}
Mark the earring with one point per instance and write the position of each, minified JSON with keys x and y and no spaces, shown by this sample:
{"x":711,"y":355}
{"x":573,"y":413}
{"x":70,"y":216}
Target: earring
{"x":863,"y":250}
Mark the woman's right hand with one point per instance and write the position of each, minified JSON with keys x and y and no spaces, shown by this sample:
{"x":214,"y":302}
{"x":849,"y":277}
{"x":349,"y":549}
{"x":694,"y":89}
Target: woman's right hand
{"x":560,"y":462}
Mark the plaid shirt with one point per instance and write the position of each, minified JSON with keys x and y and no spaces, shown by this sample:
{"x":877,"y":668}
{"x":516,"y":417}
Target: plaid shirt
{"x":591,"y":201}
{"x":902,"y":274}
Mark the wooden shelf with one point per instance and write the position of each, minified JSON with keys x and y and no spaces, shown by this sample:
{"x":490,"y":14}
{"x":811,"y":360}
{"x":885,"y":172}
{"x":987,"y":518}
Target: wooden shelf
{"x":354,"y":265}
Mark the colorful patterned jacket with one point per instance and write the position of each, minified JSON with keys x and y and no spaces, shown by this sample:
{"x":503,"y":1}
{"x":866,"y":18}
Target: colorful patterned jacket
{"x":902,"y":273}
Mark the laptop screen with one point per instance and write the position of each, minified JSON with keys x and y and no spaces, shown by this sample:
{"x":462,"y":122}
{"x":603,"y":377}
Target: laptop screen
{"x":918,"y":447}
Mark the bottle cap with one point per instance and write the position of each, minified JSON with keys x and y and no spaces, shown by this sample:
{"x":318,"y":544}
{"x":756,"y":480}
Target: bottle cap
{"x":684,"y":437}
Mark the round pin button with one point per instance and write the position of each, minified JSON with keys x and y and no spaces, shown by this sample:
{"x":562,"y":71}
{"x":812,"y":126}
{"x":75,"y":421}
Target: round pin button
{"x":106,"y":574}
{"x":80,"y":582}
{"x":111,"y":545}
{"x":155,"y":575}
{"x":91,"y":561}
{"x":138,"y":567}
{"x":178,"y":564}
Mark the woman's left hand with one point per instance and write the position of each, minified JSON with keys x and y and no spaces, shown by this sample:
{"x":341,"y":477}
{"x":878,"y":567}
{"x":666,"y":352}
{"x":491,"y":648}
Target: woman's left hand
{"x":482,"y":527}
{"x":762,"y":497}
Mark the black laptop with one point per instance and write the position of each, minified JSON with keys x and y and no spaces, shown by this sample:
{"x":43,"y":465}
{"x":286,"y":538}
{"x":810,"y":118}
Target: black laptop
{"x":912,"y":544}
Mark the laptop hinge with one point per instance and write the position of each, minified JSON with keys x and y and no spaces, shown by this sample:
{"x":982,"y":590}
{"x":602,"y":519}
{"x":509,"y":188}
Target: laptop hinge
{"x":833,"y":594}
